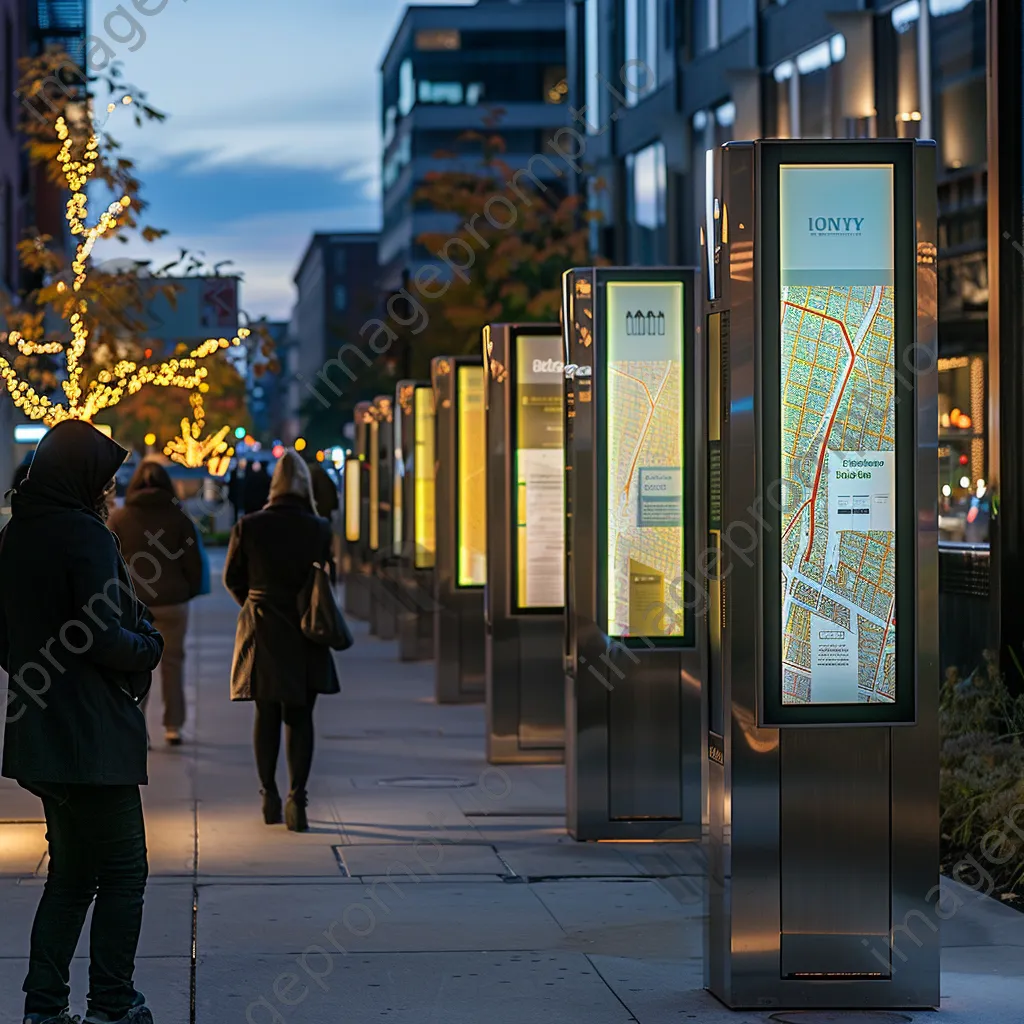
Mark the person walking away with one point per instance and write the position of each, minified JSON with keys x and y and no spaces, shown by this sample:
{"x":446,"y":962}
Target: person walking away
{"x":158,"y":537}
{"x":269,"y":559}
{"x":325,"y":494}
{"x":79,"y":650}
{"x":256,"y":488}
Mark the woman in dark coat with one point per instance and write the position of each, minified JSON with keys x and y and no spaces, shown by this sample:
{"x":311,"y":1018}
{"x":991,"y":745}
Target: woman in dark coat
{"x":162,"y":546}
{"x":268,"y":563}
{"x":79,"y":651}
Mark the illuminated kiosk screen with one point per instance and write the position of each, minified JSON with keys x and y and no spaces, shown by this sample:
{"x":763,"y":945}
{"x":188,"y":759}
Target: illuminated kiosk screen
{"x":396,"y":486}
{"x":423,"y":478}
{"x":470,"y":480}
{"x":374,"y":449}
{"x":644,"y":447}
{"x":540,"y":475}
{"x":352,"y":498}
{"x":838,"y":452}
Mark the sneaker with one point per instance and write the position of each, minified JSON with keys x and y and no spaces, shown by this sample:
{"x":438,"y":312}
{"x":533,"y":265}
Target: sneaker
{"x":138,"y":1014}
{"x":173,"y":737}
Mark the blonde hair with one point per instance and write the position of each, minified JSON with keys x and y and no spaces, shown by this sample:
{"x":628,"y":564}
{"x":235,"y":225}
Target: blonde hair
{"x":291,"y":476}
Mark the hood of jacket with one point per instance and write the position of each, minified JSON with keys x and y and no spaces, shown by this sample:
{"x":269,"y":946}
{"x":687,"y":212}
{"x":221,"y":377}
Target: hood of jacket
{"x":150,"y":485}
{"x":71,"y":466}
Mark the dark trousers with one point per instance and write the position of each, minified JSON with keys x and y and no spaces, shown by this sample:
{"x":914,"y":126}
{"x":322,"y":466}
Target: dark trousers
{"x":298,"y":738}
{"x":97,"y":842}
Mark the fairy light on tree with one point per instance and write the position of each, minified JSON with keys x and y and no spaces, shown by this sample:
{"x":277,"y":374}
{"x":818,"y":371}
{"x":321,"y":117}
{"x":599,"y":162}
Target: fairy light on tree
{"x":193,"y":450}
{"x":85,"y":398}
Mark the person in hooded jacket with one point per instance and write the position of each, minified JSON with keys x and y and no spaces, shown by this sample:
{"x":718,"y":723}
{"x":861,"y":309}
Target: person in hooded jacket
{"x":79,"y":650}
{"x":268,"y":563}
{"x":160,"y":540}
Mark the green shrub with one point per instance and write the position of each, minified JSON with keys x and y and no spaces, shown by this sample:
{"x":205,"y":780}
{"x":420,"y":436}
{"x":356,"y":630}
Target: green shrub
{"x":981,"y":776}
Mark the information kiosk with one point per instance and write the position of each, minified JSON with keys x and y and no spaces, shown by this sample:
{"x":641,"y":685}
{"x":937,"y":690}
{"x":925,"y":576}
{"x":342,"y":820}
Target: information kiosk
{"x":524,"y":602}
{"x":413,"y":518}
{"x":383,"y":589}
{"x":357,"y":583}
{"x":822,"y":551}
{"x":633,"y":647}
{"x":460,"y":570}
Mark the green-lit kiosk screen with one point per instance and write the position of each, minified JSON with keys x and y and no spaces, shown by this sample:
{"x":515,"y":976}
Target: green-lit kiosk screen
{"x":470,"y":480}
{"x":644,"y":451}
{"x":540,"y":476}
{"x":423,"y":479}
{"x":838,"y":452}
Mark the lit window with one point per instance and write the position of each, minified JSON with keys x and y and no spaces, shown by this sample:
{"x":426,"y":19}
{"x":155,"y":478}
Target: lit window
{"x":648,"y":217}
{"x":817,"y":58}
{"x":905,"y":15}
{"x":640,"y":72}
{"x":556,"y":88}
{"x":837,"y":47}
{"x":700,"y":120}
{"x":592,"y":65}
{"x":474,"y":93}
{"x":725,"y":115}
{"x":340,"y":298}
{"x":438,"y":39}
{"x":406,"y":88}
{"x":784,"y":71}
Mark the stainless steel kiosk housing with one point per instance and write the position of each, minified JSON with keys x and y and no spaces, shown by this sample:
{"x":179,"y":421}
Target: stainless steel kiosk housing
{"x":413,"y":518}
{"x":524,"y":603}
{"x":460,"y":521}
{"x":823,"y":679}
{"x":634,"y":755}
{"x":357,"y":477}
{"x":383,"y":587}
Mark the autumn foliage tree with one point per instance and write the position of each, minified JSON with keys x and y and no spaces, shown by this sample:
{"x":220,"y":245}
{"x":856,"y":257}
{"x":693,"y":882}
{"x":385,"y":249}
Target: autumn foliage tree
{"x":523,"y":233}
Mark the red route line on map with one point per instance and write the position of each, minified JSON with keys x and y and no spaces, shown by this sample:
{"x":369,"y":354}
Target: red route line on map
{"x":832,"y":418}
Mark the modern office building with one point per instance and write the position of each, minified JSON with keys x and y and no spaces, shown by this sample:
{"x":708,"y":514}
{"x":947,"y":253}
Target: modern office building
{"x":664,"y":85}
{"x":337,"y":291}
{"x":456,"y":69}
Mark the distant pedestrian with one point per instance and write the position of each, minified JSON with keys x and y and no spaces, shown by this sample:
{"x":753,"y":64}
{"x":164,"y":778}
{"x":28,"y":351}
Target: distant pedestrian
{"x":255,"y":488}
{"x":156,"y":533}
{"x":236,"y":489}
{"x":268,"y":564}
{"x":325,"y":494}
{"x":75,"y":736}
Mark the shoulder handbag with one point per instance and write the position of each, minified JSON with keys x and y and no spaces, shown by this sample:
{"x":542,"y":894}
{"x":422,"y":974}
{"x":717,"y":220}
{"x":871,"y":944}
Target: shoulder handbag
{"x":321,"y":620}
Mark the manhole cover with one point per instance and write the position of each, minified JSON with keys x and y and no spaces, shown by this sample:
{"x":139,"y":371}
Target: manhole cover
{"x":839,"y":1017}
{"x":426,"y":782}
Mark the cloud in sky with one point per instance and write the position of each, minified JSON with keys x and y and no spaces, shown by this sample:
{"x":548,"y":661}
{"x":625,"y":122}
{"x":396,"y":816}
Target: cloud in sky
{"x":273,"y":129}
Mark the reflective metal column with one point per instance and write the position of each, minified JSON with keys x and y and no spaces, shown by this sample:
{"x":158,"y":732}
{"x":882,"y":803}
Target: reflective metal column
{"x":633,"y":652}
{"x":824,"y":680}
{"x":524,"y":602}
{"x":461,"y":523}
{"x":413,"y":518}
{"x":357,"y":585}
{"x":383,"y":588}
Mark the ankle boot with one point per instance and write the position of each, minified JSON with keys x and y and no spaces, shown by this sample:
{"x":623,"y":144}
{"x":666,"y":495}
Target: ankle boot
{"x":271,"y":806}
{"x":295,"y":811}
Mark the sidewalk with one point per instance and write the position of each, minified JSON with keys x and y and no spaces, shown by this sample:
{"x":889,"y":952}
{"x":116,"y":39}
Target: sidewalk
{"x":432,"y":889}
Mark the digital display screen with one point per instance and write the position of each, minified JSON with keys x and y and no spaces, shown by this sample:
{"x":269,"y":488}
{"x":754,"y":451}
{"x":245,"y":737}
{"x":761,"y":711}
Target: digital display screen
{"x":644,"y":446}
{"x":470,"y":481}
{"x":540,"y":472}
{"x":423,"y":479}
{"x":374,"y":450}
{"x":352,"y":499}
{"x":397,"y":525}
{"x":838,"y":452}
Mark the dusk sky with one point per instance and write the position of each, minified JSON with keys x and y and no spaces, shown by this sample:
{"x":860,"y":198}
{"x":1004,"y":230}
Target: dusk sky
{"x":272,"y":130}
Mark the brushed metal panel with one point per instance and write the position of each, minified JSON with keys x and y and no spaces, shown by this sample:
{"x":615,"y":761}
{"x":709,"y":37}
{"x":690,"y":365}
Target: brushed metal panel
{"x":645,"y":756}
{"x":834,"y":848}
{"x":541,"y":724}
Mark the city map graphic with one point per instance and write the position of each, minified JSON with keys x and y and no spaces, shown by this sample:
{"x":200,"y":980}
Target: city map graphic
{"x":644,"y":436}
{"x":838,"y":566}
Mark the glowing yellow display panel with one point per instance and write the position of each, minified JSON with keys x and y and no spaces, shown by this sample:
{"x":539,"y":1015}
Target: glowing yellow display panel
{"x":423,"y":479}
{"x":644,"y":444}
{"x":540,"y":473}
{"x":374,"y":450}
{"x":352,"y":498}
{"x":396,"y":486}
{"x":470,"y":478}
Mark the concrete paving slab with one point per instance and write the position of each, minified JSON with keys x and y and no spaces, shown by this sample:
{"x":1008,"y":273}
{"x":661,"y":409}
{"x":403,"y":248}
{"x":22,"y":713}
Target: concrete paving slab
{"x":397,"y":916}
{"x":166,"y":920}
{"x":424,"y":988}
{"x":165,"y":982}
{"x":397,"y":858}
{"x":579,"y":860}
{"x":664,"y":859}
{"x":636,"y":918}
{"x":22,"y":849}
{"x":525,"y":830}
{"x":975,"y":920}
